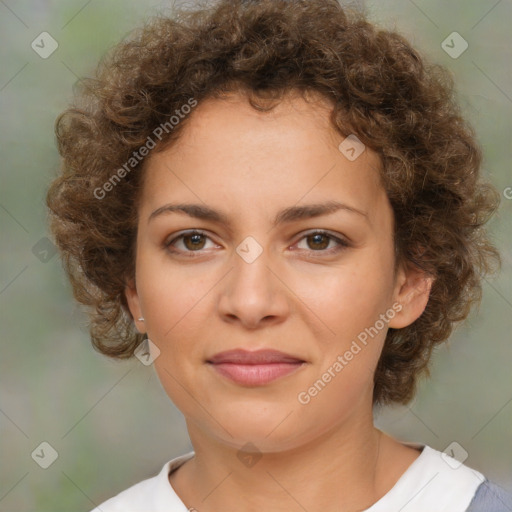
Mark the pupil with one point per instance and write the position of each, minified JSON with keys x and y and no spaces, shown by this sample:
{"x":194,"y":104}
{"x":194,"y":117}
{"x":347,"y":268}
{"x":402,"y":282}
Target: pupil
{"x":316,"y":240}
{"x":196,"y":240}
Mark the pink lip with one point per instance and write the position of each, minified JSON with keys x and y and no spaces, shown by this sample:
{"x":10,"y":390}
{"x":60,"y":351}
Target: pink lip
{"x":255,"y":368}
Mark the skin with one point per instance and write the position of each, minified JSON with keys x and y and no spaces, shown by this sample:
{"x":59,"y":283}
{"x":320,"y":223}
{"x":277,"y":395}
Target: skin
{"x":298,"y":296}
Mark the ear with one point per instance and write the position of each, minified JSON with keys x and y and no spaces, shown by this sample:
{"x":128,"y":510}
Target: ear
{"x":412,"y":292}
{"x":132,"y":298}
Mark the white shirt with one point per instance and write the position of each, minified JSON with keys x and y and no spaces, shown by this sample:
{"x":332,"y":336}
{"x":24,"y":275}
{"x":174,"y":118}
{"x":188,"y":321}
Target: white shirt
{"x":434,"y":482}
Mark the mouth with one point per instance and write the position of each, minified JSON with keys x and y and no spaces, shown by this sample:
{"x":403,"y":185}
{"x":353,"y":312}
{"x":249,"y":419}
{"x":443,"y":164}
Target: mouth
{"x":255,"y":368}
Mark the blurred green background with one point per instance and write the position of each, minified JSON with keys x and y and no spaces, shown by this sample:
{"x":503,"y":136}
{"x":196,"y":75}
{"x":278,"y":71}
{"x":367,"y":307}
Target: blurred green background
{"x":111,"y":423}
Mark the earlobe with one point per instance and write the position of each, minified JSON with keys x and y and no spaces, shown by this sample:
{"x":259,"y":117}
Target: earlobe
{"x":132,"y":298}
{"x":413,"y":293}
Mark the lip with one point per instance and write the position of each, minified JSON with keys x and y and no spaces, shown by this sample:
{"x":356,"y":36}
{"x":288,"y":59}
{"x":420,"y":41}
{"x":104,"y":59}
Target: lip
{"x":255,"y":368}
{"x":263,"y":356}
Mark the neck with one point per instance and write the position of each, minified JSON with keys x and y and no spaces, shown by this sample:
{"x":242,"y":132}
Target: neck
{"x":344,"y":469}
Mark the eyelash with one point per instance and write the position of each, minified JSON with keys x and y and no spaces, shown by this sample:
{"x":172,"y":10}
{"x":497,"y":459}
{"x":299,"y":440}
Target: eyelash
{"x":342,"y":244}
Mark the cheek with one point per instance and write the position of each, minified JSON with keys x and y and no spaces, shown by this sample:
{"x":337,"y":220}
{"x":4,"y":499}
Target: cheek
{"x":347,"y":299}
{"x":171,"y":297}
{"x":177,"y":322}
{"x":334,"y":396}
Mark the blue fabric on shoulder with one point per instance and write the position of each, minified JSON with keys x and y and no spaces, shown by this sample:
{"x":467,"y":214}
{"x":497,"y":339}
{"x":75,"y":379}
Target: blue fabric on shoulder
{"x":489,"y":497}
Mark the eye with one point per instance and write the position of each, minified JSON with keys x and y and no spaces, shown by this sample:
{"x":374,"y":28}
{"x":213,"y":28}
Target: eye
{"x":320,"y":240}
{"x":193,"y":241}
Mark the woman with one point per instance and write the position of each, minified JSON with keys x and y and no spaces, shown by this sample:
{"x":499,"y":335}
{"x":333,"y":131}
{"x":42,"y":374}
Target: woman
{"x":287,"y":201}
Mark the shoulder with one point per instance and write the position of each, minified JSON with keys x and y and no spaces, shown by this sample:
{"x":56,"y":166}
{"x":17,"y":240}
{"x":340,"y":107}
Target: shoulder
{"x":153,"y":494}
{"x":471,"y":491}
{"x":490,"y":497}
{"x":138,"y":495}
{"x":434,"y":481}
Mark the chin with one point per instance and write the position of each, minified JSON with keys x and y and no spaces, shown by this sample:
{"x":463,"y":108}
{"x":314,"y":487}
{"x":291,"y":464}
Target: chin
{"x":269,"y":428}
{"x":258,"y":440}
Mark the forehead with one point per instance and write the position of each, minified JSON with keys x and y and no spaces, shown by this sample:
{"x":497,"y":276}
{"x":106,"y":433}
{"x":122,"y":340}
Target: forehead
{"x":231,"y":121}
{"x":232,"y":155}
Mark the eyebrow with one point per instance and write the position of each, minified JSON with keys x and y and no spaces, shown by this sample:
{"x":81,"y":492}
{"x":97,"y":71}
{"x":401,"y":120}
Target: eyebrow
{"x":291,"y":214}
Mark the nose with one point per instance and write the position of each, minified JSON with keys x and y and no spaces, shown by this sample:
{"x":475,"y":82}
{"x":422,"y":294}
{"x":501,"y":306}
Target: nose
{"x":253,"y":295}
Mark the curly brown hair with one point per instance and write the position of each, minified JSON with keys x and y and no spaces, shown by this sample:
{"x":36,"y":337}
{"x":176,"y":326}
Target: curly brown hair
{"x":380,"y":88}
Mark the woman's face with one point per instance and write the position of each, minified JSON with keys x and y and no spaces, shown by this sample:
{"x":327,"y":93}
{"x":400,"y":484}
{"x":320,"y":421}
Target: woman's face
{"x":249,"y":283}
